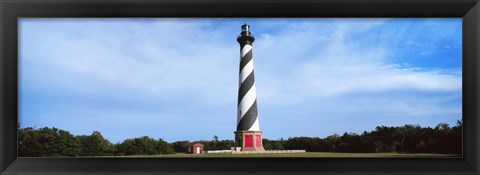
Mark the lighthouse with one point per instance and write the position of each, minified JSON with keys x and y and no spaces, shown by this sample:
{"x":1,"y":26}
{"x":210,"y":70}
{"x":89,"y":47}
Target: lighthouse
{"x":248,"y":136}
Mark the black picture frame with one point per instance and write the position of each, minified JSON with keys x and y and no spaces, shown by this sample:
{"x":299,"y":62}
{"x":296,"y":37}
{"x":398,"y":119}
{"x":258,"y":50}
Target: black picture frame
{"x":11,"y":10}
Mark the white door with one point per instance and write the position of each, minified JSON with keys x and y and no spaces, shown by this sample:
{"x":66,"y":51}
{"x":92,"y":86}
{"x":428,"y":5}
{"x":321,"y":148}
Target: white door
{"x":198,"y":150}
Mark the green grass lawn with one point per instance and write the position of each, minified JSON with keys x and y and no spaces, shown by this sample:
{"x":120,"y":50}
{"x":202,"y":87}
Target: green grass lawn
{"x":297,"y":155}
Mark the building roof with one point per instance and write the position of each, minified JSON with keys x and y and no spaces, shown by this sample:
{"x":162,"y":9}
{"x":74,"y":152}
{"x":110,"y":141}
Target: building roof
{"x":195,"y":144}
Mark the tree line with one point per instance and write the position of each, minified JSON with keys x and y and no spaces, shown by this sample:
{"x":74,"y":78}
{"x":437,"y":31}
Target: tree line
{"x":401,"y":139}
{"x":53,"y":142}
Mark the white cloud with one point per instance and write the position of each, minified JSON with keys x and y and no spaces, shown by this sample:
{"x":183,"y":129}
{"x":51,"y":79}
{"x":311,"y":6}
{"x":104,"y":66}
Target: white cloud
{"x":337,"y":67}
{"x":159,"y":60}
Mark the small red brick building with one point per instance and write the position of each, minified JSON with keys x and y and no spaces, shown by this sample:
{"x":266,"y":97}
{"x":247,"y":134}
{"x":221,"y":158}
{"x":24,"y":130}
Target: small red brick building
{"x":195,"y":148}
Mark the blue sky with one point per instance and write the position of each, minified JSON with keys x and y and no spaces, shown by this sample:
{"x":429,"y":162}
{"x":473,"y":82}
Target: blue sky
{"x":177,"y":79}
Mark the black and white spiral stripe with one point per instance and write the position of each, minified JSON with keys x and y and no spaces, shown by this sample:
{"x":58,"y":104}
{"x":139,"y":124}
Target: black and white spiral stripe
{"x":247,"y":98}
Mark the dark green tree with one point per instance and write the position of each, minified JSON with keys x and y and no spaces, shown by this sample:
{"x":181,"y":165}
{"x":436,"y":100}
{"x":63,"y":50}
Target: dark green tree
{"x":46,"y":142}
{"x":95,"y":145}
{"x":180,"y":146}
{"x":143,"y":146}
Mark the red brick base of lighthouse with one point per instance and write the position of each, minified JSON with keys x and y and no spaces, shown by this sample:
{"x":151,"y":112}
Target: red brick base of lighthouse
{"x":249,"y":140}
